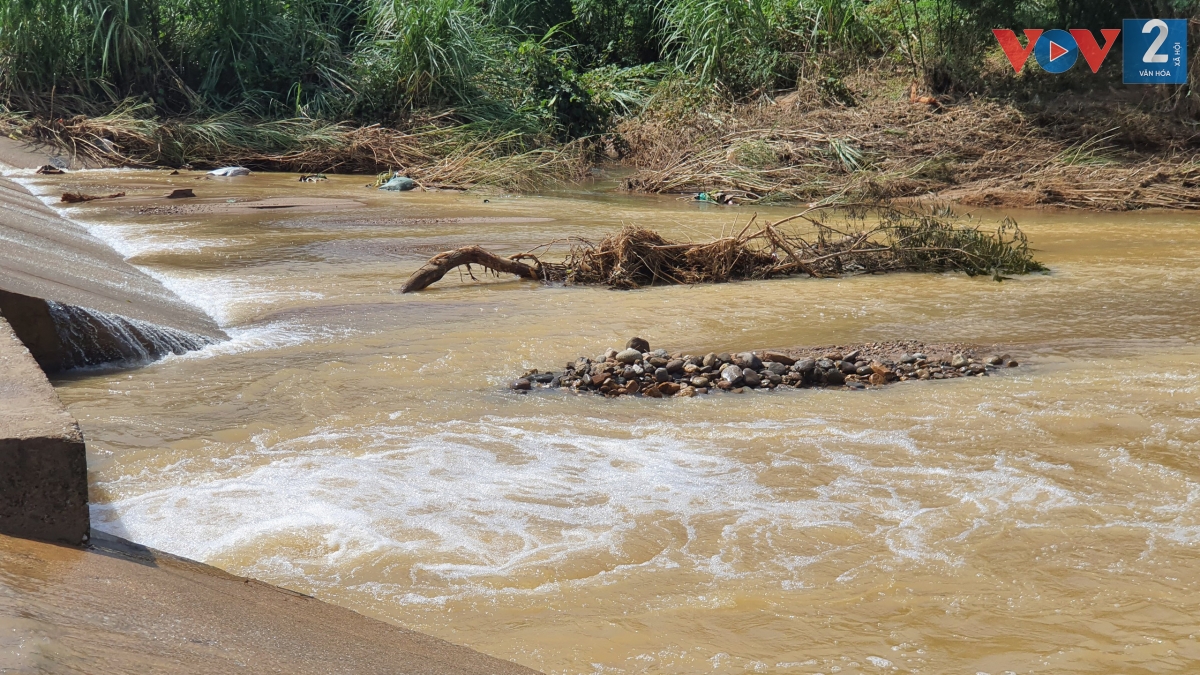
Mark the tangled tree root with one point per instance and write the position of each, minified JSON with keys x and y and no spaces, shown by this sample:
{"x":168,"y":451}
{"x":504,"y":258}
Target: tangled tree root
{"x":873,"y":239}
{"x":440,"y":264}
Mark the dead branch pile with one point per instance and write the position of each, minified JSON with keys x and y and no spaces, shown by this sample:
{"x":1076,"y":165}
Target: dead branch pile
{"x":820,"y":242}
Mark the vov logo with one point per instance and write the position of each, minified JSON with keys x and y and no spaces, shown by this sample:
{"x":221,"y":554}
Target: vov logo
{"x":1155,"y":50}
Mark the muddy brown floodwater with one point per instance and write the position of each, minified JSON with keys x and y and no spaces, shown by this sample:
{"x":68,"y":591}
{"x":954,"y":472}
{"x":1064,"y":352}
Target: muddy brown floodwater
{"x":359,"y":445}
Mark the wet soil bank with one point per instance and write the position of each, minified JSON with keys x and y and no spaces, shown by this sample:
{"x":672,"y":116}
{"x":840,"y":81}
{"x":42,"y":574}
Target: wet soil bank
{"x":1073,"y":153}
{"x":117,"y":607}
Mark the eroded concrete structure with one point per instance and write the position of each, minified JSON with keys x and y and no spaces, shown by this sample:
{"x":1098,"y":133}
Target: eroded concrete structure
{"x":43,"y":464}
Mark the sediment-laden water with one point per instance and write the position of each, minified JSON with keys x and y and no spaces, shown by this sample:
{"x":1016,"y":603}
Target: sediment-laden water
{"x":362,"y":446}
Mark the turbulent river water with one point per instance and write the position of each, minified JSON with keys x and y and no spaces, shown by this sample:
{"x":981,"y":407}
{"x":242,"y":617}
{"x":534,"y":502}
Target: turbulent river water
{"x":360,"y":445}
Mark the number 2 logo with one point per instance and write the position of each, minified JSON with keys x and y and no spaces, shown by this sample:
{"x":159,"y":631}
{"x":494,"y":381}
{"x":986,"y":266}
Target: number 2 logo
{"x":1155,"y":51}
{"x":1152,"y":55}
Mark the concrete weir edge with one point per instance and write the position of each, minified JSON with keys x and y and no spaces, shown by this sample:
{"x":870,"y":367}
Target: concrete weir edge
{"x":43,"y":461}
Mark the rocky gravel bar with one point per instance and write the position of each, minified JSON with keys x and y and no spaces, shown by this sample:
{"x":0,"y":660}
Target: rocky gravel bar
{"x":639,"y":371}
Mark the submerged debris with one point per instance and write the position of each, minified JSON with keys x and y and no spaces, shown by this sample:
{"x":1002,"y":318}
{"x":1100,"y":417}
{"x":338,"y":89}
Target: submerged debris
{"x":636,"y":370}
{"x":78,"y":197}
{"x":863,"y":240}
{"x":726,"y":197}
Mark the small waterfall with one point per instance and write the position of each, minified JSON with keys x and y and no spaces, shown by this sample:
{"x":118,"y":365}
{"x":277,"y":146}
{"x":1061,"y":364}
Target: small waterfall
{"x":91,"y":337}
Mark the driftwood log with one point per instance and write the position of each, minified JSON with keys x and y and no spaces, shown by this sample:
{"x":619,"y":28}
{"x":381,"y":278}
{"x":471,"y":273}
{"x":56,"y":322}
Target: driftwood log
{"x":440,"y":264}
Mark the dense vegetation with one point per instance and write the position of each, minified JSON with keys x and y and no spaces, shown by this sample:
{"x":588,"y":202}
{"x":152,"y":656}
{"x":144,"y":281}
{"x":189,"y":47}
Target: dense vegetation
{"x":487,"y":91}
{"x":563,"y":66}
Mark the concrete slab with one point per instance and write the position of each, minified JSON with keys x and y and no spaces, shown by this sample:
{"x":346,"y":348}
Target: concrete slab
{"x":116,"y":607}
{"x":43,"y":463}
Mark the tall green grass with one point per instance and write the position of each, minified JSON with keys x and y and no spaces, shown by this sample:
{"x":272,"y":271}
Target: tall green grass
{"x":748,"y":45}
{"x":552,"y":66}
{"x":278,"y":55}
{"x":421,"y":52}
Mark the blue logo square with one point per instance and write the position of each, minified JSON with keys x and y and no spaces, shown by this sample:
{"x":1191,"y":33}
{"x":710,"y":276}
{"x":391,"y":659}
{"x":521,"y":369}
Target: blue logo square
{"x":1155,"y":51}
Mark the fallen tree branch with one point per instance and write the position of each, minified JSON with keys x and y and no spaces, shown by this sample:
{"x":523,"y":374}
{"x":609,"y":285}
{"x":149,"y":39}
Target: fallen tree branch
{"x":440,"y":264}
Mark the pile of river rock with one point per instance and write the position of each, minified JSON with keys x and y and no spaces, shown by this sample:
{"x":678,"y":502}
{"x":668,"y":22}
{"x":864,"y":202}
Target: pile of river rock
{"x":638,"y":370}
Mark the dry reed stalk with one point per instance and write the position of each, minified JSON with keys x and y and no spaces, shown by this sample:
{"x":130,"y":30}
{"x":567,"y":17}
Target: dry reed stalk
{"x":894,"y":150}
{"x":449,"y":156}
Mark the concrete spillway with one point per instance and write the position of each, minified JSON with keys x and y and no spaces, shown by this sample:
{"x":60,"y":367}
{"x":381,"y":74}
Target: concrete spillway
{"x":46,"y":256}
{"x":74,"y":301}
{"x":109,"y":605}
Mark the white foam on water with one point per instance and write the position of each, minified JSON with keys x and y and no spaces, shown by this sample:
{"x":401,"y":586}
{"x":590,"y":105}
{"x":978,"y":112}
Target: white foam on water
{"x":132,"y":242}
{"x":229,"y":299}
{"x":464,"y":504}
{"x":259,"y":337}
{"x":448,"y":486}
{"x":224,"y":298}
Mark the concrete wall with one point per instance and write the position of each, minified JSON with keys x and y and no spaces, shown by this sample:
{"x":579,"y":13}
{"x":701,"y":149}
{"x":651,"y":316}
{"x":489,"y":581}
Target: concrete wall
{"x":62,"y":337}
{"x":45,"y":257}
{"x":30,"y":320}
{"x":43,"y":463}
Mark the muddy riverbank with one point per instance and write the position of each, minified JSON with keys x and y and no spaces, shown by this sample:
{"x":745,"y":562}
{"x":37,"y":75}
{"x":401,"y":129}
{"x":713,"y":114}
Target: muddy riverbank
{"x":1072,"y":151}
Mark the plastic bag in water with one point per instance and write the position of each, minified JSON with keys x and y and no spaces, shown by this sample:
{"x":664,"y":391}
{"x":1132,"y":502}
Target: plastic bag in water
{"x":230,"y":171}
{"x":399,"y":184}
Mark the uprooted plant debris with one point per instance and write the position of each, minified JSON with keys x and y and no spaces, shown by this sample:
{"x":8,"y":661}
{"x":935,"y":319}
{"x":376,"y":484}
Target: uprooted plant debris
{"x":454,"y":156}
{"x":637,"y":370}
{"x":820,"y":242}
